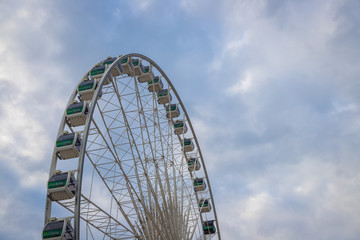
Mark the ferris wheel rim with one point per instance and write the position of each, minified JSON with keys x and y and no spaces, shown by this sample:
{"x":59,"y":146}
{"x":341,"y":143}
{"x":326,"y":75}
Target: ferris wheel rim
{"x":86,"y":133}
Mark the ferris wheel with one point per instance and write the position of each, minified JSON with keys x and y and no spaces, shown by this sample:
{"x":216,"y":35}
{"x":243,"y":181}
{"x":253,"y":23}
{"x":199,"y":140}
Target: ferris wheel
{"x":126,"y":162}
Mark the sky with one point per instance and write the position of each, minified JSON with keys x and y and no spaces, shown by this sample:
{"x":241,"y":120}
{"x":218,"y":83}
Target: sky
{"x":271,"y":87}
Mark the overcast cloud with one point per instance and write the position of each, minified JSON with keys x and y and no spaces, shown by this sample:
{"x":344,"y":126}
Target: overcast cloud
{"x":272,"y":88}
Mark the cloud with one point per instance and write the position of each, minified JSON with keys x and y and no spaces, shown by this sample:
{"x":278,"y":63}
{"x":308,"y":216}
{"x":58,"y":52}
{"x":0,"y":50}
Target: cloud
{"x":242,"y":86}
{"x":20,"y":213}
{"x":140,"y":6}
{"x":279,"y":132}
{"x":25,"y":73}
{"x":293,"y":202}
{"x":271,"y":88}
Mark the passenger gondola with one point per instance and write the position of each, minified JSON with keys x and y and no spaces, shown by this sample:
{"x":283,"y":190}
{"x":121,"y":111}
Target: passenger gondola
{"x":187,"y":145}
{"x":68,"y":145}
{"x":138,"y":67}
{"x":126,"y":64}
{"x":117,"y":69}
{"x":108,"y":61}
{"x":155,"y":85}
{"x":172,"y":111}
{"x":193,"y":164}
{"x":76,"y":113}
{"x":58,"y":230}
{"x":180,"y":127}
{"x":62,"y":186}
{"x":97,"y":71}
{"x":147,"y":75}
{"x":87,"y":89}
{"x":199,"y":184}
{"x":164,"y":96}
{"x":204,"y":205}
{"x":209,"y":227}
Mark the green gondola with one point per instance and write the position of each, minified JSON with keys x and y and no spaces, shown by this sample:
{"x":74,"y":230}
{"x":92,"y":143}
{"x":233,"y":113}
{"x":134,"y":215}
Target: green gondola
{"x":180,"y":127}
{"x":117,"y":70}
{"x":155,"y":85}
{"x":109,"y":61}
{"x":209,"y":227}
{"x":164,"y":96}
{"x":204,"y":205}
{"x":172,"y":111}
{"x":97,"y":71}
{"x":138,"y":67}
{"x":86,"y":89}
{"x":76,"y":113}
{"x":187,"y":145}
{"x":199,"y":184}
{"x":58,"y":230}
{"x":62,"y":186}
{"x":193,"y":164}
{"x":68,"y":145}
{"x":126,"y":64}
{"x":147,"y":75}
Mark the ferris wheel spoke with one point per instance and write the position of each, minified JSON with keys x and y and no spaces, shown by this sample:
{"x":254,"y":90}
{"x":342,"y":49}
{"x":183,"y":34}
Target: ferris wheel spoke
{"x":99,"y":219}
{"x":131,"y":143}
{"x":107,"y":180}
{"x":137,"y":156}
{"x":163,"y":141}
{"x":148,"y":141}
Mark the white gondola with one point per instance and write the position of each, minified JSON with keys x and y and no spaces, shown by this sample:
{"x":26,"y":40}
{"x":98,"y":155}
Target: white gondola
{"x":147,"y":76}
{"x":204,"y":205}
{"x":209,"y":227}
{"x":187,"y":145}
{"x":68,"y":145}
{"x":76,"y":113}
{"x":58,"y":230}
{"x":155,"y":85}
{"x":172,"y":111}
{"x":87,"y":89}
{"x":108,"y":61}
{"x":97,"y":71}
{"x":117,"y":69}
{"x":164,"y":96}
{"x":138,"y":67}
{"x":199,"y":184}
{"x":62,"y":186}
{"x":180,"y":127}
{"x":127,"y":66}
{"x":193,"y":164}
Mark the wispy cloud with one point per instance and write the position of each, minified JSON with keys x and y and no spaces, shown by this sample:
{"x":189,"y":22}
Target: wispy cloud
{"x":25,"y":72}
{"x":276,"y":125}
{"x":271,"y":88}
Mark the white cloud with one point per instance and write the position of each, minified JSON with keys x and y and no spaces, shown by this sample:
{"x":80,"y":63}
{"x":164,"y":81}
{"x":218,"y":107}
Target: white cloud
{"x":19,"y":215}
{"x":278,"y":130}
{"x":242,"y":86}
{"x":140,"y":6}
{"x":279,"y":134}
{"x":231,"y":50}
{"x":274,"y":208}
{"x":24,"y":107}
{"x":192,"y":6}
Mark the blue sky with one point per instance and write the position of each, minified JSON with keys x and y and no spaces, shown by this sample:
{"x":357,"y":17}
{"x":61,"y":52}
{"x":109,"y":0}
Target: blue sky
{"x":272,"y":88}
